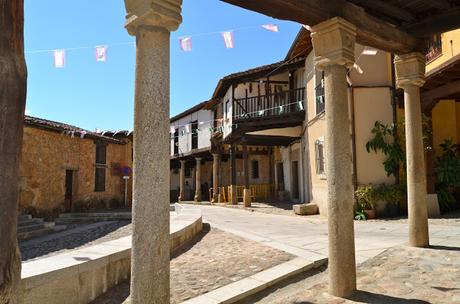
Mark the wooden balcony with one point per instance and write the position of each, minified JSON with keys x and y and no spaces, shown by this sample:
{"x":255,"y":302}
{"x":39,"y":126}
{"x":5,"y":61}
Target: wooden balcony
{"x":268,"y":106}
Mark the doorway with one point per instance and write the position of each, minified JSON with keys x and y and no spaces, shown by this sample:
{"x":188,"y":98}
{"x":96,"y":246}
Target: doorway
{"x":295,"y":180}
{"x":68,"y":190}
{"x":280,"y":176}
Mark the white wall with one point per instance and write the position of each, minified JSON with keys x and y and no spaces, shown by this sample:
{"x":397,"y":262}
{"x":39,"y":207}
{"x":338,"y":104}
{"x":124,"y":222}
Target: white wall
{"x":204,"y":118}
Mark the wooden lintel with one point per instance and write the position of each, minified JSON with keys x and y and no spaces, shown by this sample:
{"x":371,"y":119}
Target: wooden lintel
{"x":444,"y":91}
{"x":387,"y":9}
{"x":370,"y":30}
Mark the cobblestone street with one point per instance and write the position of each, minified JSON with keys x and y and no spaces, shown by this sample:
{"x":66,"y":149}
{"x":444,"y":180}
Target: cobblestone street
{"x":399,"y":275}
{"x":78,"y":236}
{"x":215,"y":260}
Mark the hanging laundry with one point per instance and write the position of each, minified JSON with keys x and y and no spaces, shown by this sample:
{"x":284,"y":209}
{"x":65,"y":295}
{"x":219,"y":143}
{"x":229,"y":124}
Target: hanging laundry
{"x":228,"y":39}
{"x":271,"y":27}
{"x":186,"y":44}
{"x":101,"y":53}
{"x":59,"y":58}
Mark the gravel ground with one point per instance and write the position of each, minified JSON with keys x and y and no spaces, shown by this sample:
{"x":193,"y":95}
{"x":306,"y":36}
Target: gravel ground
{"x":399,"y":275}
{"x":216,"y":259}
{"x":78,"y":236}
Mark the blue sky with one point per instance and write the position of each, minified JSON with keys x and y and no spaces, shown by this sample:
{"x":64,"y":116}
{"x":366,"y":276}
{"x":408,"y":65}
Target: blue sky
{"x":94,"y":95}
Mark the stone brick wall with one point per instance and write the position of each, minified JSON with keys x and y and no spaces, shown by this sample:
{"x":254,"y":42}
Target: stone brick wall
{"x":47,"y":155}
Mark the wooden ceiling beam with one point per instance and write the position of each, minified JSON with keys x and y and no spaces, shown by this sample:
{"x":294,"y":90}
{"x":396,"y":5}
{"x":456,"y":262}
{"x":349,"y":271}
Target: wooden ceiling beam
{"x":387,"y":9}
{"x":370,"y":30}
{"x":444,"y":91}
{"x":440,"y":23}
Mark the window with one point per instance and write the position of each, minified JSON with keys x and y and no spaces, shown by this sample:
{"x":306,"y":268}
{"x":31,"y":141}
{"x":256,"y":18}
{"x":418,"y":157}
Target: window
{"x":100,"y":167}
{"x":320,"y":98}
{"x":195,"y":134}
{"x":176,"y":141}
{"x":320,"y":162}
{"x":255,"y":169}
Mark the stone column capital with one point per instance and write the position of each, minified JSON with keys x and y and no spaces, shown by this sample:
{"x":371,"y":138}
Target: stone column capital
{"x":198,"y":159}
{"x":182,"y":161}
{"x":410,"y":69}
{"x":164,"y":14}
{"x":334,"y":43}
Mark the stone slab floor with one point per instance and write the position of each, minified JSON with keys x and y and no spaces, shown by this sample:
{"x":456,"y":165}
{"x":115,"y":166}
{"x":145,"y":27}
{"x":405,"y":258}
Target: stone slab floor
{"x":398,"y":275}
{"x":214,"y":260}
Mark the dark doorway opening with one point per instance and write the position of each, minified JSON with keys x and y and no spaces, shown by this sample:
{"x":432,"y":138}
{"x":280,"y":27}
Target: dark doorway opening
{"x":295,"y":180}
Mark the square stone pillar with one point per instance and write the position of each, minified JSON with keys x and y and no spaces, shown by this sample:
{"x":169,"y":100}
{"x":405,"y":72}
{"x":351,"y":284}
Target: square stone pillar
{"x":215,"y":177}
{"x":182,"y":181}
{"x":334,"y":45}
{"x":151,"y":21}
{"x":410,"y":76}
{"x":198,"y":180}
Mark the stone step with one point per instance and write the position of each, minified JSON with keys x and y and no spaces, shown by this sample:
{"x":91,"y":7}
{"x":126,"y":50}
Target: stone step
{"x":47,"y":229}
{"x":24,"y":217}
{"x":74,"y":218}
{"x":31,"y":227}
{"x":30,"y":222}
{"x":126,"y":215}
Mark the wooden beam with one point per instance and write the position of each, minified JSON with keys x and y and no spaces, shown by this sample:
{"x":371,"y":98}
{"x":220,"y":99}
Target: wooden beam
{"x":440,"y":23}
{"x":386,"y":8}
{"x":370,"y":30}
{"x":445,"y":91}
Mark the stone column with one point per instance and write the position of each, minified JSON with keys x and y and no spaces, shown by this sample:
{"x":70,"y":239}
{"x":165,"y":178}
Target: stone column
{"x":410,"y":76}
{"x":215,"y":177}
{"x":182,"y":181}
{"x":334,"y":42}
{"x":247,"y":190}
{"x":198,"y":180}
{"x":151,"y":22}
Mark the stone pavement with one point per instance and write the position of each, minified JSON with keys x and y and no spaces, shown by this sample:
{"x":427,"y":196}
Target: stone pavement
{"x":78,"y":236}
{"x":307,"y":237}
{"x":399,"y":275}
{"x":216,"y":259}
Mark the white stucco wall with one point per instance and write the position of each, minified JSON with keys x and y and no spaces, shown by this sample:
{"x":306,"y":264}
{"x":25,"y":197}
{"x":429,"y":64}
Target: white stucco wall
{"x":204,"y":118}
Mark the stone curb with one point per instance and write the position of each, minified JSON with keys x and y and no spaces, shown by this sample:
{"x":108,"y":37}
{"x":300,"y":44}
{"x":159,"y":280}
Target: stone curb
{"x":81,"y":275}
{"x":258,"y":282}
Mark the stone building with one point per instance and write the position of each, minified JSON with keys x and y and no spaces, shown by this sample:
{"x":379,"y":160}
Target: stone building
{"x":67,"y":168}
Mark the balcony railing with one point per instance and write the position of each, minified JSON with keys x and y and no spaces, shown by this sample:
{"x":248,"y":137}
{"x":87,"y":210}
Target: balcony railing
{"x":434,"y":48}
{"x":269,"y":105}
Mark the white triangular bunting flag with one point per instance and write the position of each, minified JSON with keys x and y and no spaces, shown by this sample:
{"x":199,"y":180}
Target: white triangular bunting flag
{"x":186,"y":44}
{"x":101,"y":53}
{"x":59,"y":58}
{"x":228,"y":39}
{"x":271,"y":27}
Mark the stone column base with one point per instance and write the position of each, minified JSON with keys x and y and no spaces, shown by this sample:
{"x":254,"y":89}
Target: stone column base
{"x":247,"y":197}
{"x":197,"y":198}
{"x":215,"y":198}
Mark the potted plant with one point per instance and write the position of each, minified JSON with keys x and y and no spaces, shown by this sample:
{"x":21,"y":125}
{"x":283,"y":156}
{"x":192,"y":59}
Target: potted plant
{"x":391,"y":195}
{"x":366,"y":197}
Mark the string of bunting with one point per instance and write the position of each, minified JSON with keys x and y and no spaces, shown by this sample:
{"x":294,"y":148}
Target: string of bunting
{"x":186,"y":129}
{"x":185,"y":43}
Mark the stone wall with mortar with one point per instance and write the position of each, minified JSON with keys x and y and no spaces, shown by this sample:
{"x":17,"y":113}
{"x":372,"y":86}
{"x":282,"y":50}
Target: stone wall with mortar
{"x":46,"y":156}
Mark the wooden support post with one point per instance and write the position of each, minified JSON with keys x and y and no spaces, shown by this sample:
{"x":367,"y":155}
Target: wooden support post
{"x":247,"y":190}
{"x":233,"y":194}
